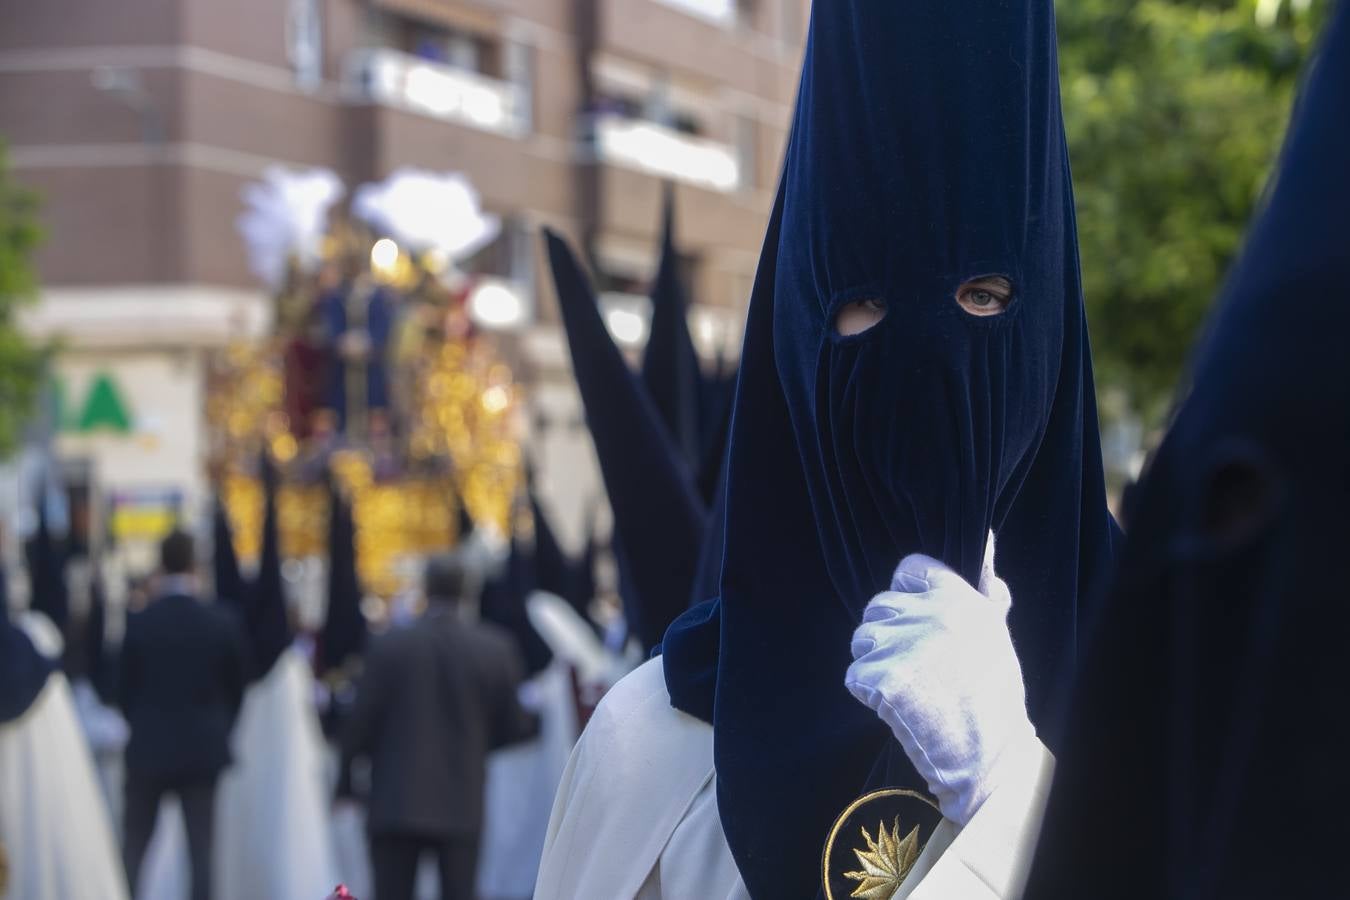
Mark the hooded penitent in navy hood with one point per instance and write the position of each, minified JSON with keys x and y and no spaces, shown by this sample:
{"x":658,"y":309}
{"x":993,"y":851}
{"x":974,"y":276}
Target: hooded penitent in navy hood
{"x":1225,"y":736}
{"x":927,"y":152}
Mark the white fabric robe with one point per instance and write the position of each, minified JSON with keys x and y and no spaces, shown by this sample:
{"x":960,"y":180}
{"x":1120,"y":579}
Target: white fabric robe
{"x":521,"y":781}
{"x":636,"y":816}
{"x":54,"y":822}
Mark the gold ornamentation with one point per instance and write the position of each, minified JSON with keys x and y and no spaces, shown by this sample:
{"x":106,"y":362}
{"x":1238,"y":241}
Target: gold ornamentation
{"x":462,"y":446}
{"x":885,"y":862}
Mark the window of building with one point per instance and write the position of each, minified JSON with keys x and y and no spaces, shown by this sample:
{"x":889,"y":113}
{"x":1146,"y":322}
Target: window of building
{"x":793,"y":22}
{"x":722,"y":12}
{"x":304,"y":43}
{"x":747,"y":151}
{"x":518,"y":65}
{"x":437,"y":43}
{"x":615,"y":282}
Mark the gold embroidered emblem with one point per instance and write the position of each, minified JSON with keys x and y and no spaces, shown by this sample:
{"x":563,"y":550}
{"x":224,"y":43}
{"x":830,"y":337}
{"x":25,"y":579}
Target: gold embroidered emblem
{"x":885,"y":862}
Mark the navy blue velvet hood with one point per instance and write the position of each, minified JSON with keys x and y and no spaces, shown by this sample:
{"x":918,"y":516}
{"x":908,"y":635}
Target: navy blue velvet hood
{"x":229,"y":582}
{"x":345,"y":631}
{"x":267,"y":615}
{"x":23,"y":670}
{"x":670,"y":369}
{"x":503,"y":603}
{"x":1213,"y":691}
{"x":927,"y":150}
{"x":46,"y":557}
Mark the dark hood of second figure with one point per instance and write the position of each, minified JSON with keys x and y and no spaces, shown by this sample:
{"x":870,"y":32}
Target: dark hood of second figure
{"x":927,"y":153}
{"x":1205,"y":756}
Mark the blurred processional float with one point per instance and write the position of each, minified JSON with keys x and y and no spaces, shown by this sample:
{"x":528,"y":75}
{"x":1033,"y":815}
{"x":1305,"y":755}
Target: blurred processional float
{"x":375,"y":380}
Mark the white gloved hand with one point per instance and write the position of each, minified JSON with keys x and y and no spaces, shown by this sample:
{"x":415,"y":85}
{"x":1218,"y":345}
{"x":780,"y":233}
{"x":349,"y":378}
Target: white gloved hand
{"x":934,"y":659}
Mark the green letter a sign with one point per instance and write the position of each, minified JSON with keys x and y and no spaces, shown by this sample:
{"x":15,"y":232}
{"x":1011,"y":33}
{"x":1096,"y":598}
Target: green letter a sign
{"x":103,"y":408}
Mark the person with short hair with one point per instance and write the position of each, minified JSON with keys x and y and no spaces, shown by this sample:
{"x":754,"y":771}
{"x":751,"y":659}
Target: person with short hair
{"x":436,"y":696}
{"x":183,"y":673}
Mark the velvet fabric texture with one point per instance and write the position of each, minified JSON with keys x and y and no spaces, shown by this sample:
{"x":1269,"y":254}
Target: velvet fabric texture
{"x":659,"y":520}
{"x":503,"y":603}
{"x":553,"y":570}
{"x":670,"y":369}
{"x":229,"y":582}
{"x":927,"y":150}
{"x":1205,"y":754}
{"x":23,"y":670}
{"x":345,"y":631}
{"x":45,"y":554}
{"x":266,"y":615}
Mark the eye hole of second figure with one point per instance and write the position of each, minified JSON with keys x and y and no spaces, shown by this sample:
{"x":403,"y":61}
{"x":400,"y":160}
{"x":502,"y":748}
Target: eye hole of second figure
{"x":859,"y":316}
{"x":988,"y":295}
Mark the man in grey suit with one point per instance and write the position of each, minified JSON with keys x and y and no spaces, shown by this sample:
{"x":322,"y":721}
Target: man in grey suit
{"x":435,"y":698}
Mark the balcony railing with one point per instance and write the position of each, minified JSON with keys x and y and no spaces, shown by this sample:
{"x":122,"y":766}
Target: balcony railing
{"x":398,"y":79}
{"x":721,"y":12}
{"x":639,"y":144}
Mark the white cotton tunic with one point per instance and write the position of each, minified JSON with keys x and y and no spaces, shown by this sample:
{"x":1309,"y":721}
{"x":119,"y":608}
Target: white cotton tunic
{"x":54,"y":822}
{"x":636,"y":816}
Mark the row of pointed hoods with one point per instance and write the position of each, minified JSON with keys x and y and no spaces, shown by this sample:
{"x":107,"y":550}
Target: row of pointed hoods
{"x":539,"y":566}
{"x":660,"y":436}
{"x":24,"y":669}
{"x":261,"y":606}
{"x":259,"y":603}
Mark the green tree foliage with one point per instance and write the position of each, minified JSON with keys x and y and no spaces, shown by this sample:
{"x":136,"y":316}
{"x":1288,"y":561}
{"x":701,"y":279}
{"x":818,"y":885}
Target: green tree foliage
{"x":1175,"y":110}
{"x":21,"y":364}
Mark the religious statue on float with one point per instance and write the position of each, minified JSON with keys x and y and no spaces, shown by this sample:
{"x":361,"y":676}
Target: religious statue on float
{"x":375,"y":373}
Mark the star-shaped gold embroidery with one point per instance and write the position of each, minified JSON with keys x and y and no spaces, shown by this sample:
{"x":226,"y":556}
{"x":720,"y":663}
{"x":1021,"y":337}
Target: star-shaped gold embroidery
{"x":885,"y":862}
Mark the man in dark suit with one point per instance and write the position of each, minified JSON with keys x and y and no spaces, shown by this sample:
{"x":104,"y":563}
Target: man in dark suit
{"x":435,"y":698}
{"x":182,"y":680}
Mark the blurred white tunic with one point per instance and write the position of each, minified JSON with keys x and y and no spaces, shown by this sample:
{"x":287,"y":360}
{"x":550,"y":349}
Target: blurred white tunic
{"x":54,"y":823}
{"x":636,"y":816}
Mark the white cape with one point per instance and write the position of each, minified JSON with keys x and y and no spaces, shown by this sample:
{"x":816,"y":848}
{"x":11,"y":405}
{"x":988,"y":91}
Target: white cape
{"x":54,"y":823}
{"x":273,"y":836}
{"x":636,"y":816}
{"x":521,"y":782}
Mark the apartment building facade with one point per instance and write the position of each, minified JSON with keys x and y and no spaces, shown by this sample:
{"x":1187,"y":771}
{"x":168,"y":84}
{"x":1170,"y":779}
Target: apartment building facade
{"x":139,"y":123}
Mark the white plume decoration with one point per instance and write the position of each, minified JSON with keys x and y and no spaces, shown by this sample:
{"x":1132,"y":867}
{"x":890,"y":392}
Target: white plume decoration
{"x":428,"y":211}
{"x":286,"y":216}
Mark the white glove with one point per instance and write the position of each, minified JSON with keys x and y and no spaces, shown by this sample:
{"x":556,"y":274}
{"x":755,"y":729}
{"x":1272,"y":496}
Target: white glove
{"x":934,"y":659}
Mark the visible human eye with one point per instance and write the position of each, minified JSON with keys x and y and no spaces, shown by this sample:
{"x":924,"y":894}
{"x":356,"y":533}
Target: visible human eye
{"x":985,"y":296}
{"x":859,"y":315}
